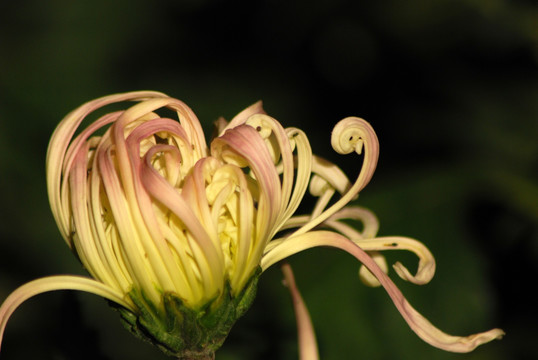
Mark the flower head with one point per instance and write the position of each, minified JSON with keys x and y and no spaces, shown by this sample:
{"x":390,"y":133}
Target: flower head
{"x":175,"y":232}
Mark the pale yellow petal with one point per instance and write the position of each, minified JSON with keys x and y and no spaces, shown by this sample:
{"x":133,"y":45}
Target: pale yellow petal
{"x":53,"y":283}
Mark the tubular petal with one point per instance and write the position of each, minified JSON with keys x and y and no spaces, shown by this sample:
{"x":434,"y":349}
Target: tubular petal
{"x":331,"y":174}
{"x":54,"y":283}
{"x":129,"y":164}
{"x":241,"y":118}
{"x":246,"y":242}
{"x":366,"y":276}
{"x":84,"y":237}
{"x":308,"y":348}
{"x":137,"y":262}
{"x":304,"y":169}
{"x":247,"y":143}
{"x":263,"y":123}
{"x":422,"y":327}
{"x":350,"y":134}
{"x":192,"y":126}
{"x":207,"y":253}
{"x":59,"y":143}
{"x":101,"y":227}
{"x":426,"y":264}
{"x":370,"y":223}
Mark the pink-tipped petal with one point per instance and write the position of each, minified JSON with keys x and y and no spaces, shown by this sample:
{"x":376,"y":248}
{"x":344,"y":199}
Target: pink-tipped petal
{"x":422,"y":327}
{"x":245,"y":143}
{"x":351,"y":134}
{"x":53,"y":283}
{"x":209,"y":256}
{"x":241,"y":118}
{"x":308,"y":347}
{"x":57,"y":151}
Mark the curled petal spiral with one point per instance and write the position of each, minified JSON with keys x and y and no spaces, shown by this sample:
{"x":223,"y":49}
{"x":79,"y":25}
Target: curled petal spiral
{"x":354,"y":134}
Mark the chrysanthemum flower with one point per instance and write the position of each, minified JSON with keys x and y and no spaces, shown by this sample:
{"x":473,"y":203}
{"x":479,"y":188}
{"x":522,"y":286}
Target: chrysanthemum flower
{"x":175,"y":233}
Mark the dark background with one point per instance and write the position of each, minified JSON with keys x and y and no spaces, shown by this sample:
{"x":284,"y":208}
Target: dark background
{"x":451,"y":88}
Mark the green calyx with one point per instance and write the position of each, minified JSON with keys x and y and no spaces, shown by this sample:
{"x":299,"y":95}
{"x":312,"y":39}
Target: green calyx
{"x":183,"y":332}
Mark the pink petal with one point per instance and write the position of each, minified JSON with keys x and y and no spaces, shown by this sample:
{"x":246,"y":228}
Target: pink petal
{"x":308,"y":348}
{"x":420,"y":325}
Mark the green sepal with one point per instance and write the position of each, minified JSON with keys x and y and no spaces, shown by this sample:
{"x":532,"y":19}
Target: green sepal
{"x":184,"y":332}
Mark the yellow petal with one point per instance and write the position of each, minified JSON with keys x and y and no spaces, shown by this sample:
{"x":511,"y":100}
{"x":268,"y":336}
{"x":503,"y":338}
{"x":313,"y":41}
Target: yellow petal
{"x":54,"y":283}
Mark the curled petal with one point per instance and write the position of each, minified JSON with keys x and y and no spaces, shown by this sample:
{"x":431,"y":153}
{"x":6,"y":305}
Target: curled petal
{"x":133,"y":252}
{"x":281,"y":144}
{"x":218,"y":126}
{"x":308,"y":348}
{"x":366,"y":276}
{"x":241,"y":118}
{"x":208,"y":256}
{"x":350,"y":134}
{"x":304,"y":167}
{"x":370,"y":223}
{"x":420,"y":325}
{"x":331,"y":174}
{"x":426,"y":263}
{"x":368,"y":242}
{"x":320,"y":188}
{"x":58,"y":156}
{"x":279,"y":147}
{"x":263,"y":124}
{"x":54,"y":283}
{"x":245,"y":142}
{"x":84,"y":239}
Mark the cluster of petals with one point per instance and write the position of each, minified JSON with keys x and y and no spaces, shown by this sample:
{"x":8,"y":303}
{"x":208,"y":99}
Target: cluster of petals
{"x":145,"y":203}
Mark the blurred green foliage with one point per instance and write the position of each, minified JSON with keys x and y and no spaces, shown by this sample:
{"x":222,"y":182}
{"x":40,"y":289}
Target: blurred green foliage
{"x":451,"y":88}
